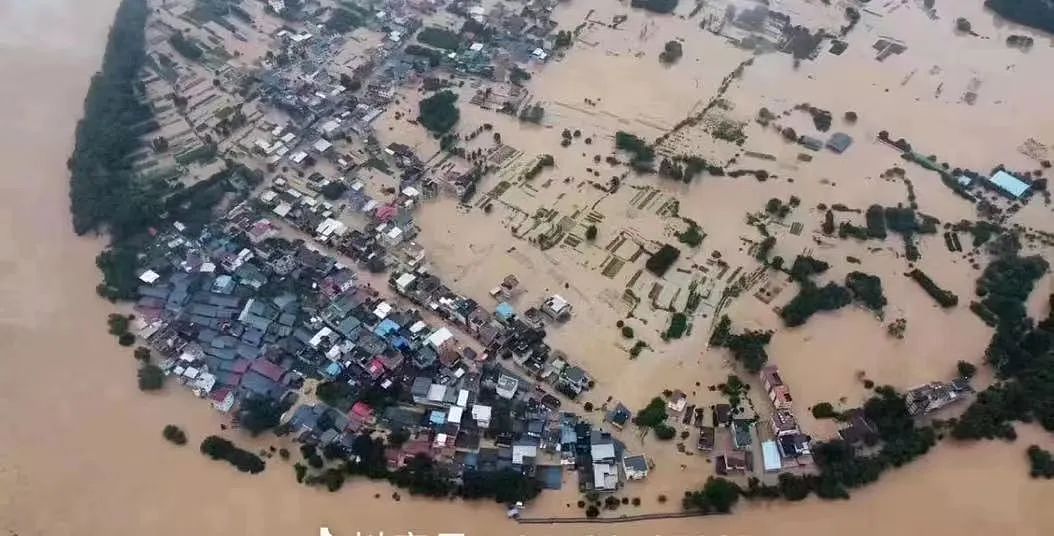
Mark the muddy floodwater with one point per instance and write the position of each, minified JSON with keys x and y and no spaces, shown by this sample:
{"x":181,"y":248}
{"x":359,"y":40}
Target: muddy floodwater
{"x":81,"y":451}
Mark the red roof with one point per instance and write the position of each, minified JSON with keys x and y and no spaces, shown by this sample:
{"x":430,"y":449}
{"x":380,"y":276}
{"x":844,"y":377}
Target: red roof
{"x":376,"y":367}
{"x":219,"y":395}
{"x":268,"y":369}
{"x":361,"y":410}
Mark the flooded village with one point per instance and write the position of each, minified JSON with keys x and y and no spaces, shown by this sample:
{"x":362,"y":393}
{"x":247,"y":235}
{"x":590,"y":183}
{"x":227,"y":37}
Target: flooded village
{"x":581,"y":258}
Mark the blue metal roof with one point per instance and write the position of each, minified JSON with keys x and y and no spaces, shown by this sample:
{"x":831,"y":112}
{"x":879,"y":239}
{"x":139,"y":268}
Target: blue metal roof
{"x":505,"y":311}
{"x":1009,"y":183}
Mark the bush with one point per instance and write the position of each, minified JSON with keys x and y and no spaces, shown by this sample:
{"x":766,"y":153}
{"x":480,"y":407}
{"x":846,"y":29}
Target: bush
{"x":174,"y":434}
{"x":627,"y":332}
{"x":150,"y":377}
{"x":661,"y":260}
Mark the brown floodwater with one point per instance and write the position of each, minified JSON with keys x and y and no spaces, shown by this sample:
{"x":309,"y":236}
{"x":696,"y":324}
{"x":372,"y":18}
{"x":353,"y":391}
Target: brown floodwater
{"x":80,"y":447}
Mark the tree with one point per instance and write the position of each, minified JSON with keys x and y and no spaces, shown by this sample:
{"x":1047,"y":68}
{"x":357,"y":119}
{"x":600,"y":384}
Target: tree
{"x":592,"y":511}
{"x":718,"y":494}
{"x":174,"y":434}
{"x":627,"y":332}
{"x":824,"y":410}
{"x":678,"y":325}
{"x":118,"y":324}
{"x":963,"y":25}
{"x":671,"y":52}
{"x":333,"y":190}
{"x":438,"y":113}
{"x":652,"y":415}
{"x":151,"y":378}
{"x":591,"y":233}
{"x":126,"y":339}
{"x":258,"y":414}
{"x":966,"y":369}
{"x":665,"y":432}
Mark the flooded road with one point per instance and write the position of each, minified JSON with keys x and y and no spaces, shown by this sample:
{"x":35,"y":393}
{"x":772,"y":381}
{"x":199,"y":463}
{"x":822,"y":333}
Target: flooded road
{"x":81,"y":451}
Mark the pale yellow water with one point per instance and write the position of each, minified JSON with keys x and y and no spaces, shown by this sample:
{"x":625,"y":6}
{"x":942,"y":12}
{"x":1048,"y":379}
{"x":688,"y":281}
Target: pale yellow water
{"x":80,"y":447}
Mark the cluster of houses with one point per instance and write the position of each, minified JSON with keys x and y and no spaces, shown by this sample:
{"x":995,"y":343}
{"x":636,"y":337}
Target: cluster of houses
{"x":238,"y":313}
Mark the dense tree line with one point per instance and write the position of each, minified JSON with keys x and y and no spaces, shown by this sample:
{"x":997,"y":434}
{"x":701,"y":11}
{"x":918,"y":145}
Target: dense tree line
{"x":943,"y":297}
{"x":438,"y":113}
{"x":1019,"y":351}
{"x":812,"y":299}
{"x":102,"y":191}
{"x":717,"y":495}
{"x":219,"y":448}
{"x":655,"y":6}
{"x":748,"y":347}
{"x":643,"y":154}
